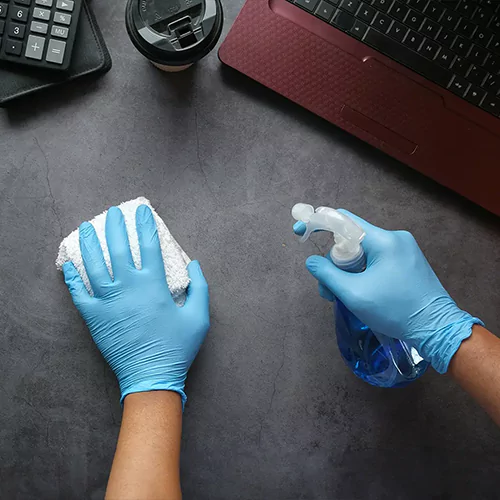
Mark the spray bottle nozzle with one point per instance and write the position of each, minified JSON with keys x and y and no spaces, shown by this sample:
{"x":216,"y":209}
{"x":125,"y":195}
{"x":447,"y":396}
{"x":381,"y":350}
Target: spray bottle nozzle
{"x":347,"y":234}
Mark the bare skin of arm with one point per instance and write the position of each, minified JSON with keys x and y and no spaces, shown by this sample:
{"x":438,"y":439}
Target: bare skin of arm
{"x":146,"y":463}
{"x":476,"y":367}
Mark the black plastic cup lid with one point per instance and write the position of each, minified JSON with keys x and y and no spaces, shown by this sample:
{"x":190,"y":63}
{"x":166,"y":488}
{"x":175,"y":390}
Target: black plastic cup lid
{"x":174,"y":32}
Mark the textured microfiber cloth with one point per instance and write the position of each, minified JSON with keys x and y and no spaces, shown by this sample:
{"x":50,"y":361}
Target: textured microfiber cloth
{"x":174,"y":258}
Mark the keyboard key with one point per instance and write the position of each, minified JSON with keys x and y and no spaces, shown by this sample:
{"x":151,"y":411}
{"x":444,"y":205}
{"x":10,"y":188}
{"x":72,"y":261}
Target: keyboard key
{"x":407,"y":57}
{"x":366,"y":13}
{"x":382,"y":5}
{"x":413,"y":40}
{"x":34,"y":47}
{"x":474,"y":95}
{"x":478,"y":55}
{"x":495,"y":44}
{"x":492,"y":64}
{"x":446,"y":38}
{"x":459,"y":85}
{"x":445,"y":57}
{"x":491,"y":104}
{"x":461,"y":66}
{"x":450,"y":19}
{"x":59,"y":31}
{"x":382,"y":22}
{"x":434,"y":10}
{"x":3,"y":10}
{"x":350,"y":6}
{"x":465,"y":28}
{"x":482,"y":17}
{"x":398,"y":11}
{"x":38,"y":27}
{"x":42,"y":14}
{"x":495,"y":24}
{"x":430,"y":29}
{"x":482,"y":36}
{"x":429,"y":49}
{"x":492,"y":84}
{"x":476,"y":75}
{"x":418,"y":4}
{"x":67,"y":5}
{"x":55,"y":51}
{"x":397,"y":31}
{"x":461,"y":46}
{"x":23,"y":2}
{"x":44,"y":3}
{"x":359,"y":29}
{"x":2,"y":27}
{"x":309,"y":5}
{"x":414,"y":20}
{"x":19,"y":14}
{"x":61,"y":18}
{"x":466,"y":8}
{"x":343,"y":20}
{"x":16,"y":30}
{"x":325,"y":11}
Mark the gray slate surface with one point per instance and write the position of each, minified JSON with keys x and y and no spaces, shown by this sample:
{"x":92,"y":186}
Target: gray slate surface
{"x":273,"y":412}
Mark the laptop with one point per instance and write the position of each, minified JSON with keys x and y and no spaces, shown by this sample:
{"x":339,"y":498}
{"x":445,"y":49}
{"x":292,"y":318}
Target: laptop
{"x":418,"y":79}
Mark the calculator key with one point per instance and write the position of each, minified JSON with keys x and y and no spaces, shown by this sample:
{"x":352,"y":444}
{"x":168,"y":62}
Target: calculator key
{"x":61,"y":18}
{"x":65,"y":5}
{"x":23,"y":2}
{"x":43,"y":14}
{"x":55,"y":51}
{"x":366,"y":13}
{"x":474,"y":95}
{"x":13,"y":47}
{"x":19,"y":14}
{"x":3,"y":10}
{"x":34,"y":47}
{"x":59,"y":31}
{"x":44,"y":3}
{"x":38,"y":27}
{"x":2,"y":27}
{"x":16,"y":30}
{"x":359,"y":29}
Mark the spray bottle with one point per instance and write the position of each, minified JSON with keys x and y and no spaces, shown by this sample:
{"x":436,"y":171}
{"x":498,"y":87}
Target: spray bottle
{"x":374,"y":357}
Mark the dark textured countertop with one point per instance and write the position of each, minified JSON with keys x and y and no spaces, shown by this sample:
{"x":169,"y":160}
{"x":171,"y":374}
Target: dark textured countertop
{"x":273,"y":413}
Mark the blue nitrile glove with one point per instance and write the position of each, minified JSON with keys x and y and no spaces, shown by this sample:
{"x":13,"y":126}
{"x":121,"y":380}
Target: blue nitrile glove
{"x":398,"y":294}
{"x":148,"y":340}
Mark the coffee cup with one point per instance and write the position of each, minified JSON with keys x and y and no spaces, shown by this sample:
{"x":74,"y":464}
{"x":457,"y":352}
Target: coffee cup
{"x":174,"y":34}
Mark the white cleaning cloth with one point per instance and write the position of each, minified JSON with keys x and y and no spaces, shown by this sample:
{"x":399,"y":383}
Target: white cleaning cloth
{"x":174,"y":258}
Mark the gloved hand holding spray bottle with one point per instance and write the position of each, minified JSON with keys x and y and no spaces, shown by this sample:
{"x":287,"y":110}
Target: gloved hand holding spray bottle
{"x":378,"y":359}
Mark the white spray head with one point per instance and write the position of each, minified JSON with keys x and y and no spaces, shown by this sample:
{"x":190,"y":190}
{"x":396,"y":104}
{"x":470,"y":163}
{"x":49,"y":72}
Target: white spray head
{"x":347,"y":234}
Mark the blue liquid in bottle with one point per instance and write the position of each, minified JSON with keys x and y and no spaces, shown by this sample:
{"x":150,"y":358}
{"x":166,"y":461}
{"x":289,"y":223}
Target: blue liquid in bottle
{"x":377,"y":359}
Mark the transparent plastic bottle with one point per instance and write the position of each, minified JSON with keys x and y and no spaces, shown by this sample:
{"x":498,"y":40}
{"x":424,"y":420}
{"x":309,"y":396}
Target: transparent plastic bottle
{"x":376,"y":358}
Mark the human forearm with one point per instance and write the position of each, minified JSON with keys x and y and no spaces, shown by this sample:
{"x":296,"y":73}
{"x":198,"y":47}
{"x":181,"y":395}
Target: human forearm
{"x":146,"y":463}
{"x":476,"y":367}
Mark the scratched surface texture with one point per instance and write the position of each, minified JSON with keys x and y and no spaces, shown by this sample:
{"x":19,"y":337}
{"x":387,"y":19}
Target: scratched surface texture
{"x":273,"y":413}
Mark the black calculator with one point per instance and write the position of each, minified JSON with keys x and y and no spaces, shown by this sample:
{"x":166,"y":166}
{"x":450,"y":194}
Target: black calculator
{"x":38,"y":32}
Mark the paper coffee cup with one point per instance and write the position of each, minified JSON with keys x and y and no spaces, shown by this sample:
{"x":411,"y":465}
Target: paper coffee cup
{"x":174,"y":34}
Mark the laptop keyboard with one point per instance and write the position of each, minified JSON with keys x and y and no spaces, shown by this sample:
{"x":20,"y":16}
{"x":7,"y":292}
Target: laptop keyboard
{"x":453,"y":43}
